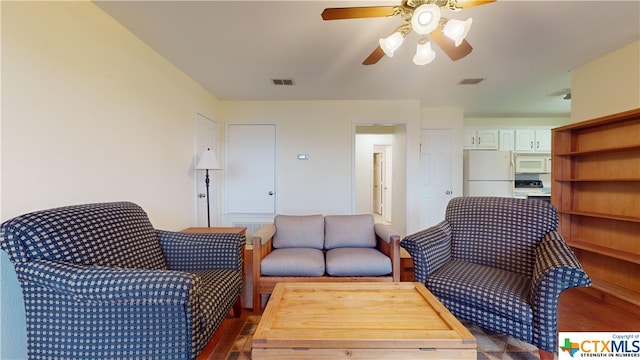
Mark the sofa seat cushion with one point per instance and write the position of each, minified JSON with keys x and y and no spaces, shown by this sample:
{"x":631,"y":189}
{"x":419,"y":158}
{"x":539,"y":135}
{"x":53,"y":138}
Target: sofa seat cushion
{"x":349,"y":231}
{"x":293,"y":262}
{"x":357,"y":262}
{"x":304,"y":231}
{"x":480,"y":288}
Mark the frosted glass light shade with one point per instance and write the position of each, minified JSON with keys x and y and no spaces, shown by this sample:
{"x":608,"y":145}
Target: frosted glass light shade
{"x":457,"y":30}
{"x":208,"y":161}
{"x":424,"y":53}
{"x":425,"y":19}
{"x":390,"y":44}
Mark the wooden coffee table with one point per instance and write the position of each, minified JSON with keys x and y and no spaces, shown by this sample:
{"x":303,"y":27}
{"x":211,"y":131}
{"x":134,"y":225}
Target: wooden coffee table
{"x":337,"y":320}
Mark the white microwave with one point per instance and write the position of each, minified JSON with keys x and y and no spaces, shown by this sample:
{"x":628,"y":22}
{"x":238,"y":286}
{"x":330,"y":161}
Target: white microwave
{"x":533,"y":164}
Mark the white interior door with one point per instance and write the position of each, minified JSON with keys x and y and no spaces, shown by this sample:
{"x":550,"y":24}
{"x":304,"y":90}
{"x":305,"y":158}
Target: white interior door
{"x":377,"y":182}
{"x":250,"y":169}
{"x":436,"y":187}
{"x":387,"y":188}
{"x":207,"y":134}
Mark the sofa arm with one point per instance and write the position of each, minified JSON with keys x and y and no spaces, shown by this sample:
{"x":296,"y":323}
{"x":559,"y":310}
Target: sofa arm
{"x":262,"y":245}
{"x":264,"y":234}
{"x":196,"y":251}
{"x":388,"y":243}
{"x":556,"y":269}
{"x":109,"y":284}
{"x":429,"y":249}
{"x":385,"y":233}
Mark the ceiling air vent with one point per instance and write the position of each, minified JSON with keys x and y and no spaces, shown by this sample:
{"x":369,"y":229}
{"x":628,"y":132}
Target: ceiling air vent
{"x":283,"y":82}
{"x":470,"y":81}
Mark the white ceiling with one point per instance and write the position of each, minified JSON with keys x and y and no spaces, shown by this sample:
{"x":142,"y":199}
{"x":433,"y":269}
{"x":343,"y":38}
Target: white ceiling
{"x":525,"y":50}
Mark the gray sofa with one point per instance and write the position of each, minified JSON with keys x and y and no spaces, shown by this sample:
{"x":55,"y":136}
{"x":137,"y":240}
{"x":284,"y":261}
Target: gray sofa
{"x":323,"y":248}
{"x":99,"y":282}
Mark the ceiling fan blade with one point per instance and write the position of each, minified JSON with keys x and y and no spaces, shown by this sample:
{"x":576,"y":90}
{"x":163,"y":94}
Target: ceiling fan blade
{"x":464,"y":4}
{"x":375,"y":56}
{"x":358,"y":12}
{"x":449,"y":47}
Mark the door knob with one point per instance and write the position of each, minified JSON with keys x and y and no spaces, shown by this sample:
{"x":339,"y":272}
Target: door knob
{"x":201,"y":195}
{"x":270,"y":193}
{"x":449,"y":192}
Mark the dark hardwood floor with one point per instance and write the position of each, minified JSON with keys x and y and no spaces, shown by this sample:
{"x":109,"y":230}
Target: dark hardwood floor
{"x":583,"y":310}
{"x":577,"y":311}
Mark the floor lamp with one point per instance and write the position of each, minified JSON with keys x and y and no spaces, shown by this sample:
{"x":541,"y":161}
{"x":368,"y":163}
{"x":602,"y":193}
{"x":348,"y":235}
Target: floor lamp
{"x":208,"y":161}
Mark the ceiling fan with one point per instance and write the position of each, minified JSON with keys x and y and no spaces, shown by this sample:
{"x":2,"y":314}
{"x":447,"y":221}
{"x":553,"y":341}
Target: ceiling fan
{"x":423,"y":17}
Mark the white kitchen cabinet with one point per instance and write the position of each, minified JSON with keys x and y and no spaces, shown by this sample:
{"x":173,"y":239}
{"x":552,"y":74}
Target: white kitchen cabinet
{"x":507,"y":140}
{"x":475,"y":138}
{"x":530,"y":140}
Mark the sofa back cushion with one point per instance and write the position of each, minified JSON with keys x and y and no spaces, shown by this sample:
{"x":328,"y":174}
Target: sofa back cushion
{"x":349,"y":231}
{"x":499,"y":232}
{"x":298,"y":231}
{"x":105,"y":234}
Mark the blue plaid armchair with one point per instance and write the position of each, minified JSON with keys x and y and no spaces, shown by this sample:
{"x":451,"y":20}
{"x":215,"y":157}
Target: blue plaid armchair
{"x":99,"y":282}
{"x":499,"y":263}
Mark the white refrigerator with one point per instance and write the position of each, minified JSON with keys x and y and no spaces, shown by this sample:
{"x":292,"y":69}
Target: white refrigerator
{"x":488,"y":173}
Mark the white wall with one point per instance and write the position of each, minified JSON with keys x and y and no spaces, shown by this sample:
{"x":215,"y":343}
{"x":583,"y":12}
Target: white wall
{"x":607,"y":85}
{"x":89,"y":113}
{"x":326,"y":131}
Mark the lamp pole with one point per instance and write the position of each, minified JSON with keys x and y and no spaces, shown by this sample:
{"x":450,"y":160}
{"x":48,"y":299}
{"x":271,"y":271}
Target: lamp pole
{"x":208,"y":161}
{"x":206,"y":183}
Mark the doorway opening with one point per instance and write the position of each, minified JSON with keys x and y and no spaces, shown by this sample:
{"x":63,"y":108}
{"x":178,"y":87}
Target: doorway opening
{"x":382,"y":183}
{"x":375,"y":171}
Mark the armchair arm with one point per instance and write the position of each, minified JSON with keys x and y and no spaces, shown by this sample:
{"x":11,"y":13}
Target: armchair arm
{"x":556,"y":269}
{"x":429,"y":249}
{"x":195,"y":251}
{"x":388,"y":243}
{"x":109,"y":284}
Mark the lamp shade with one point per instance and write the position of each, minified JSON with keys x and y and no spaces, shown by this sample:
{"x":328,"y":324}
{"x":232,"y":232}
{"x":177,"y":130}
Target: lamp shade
{"x":390,"y":44}
{"x":208,"y":161}
{"x":424,"y":53}
{"x":457,"y":30}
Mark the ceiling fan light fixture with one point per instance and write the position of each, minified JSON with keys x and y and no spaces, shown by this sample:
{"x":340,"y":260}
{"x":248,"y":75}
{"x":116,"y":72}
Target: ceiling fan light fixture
{"x":457,"y":30}
{"x":425,"y":18}
{"x":424,"y":53}
{"x":391,"y":43}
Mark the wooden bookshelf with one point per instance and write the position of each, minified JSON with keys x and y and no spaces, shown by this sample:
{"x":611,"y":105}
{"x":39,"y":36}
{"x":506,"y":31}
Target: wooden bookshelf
{"x":596,"y":189}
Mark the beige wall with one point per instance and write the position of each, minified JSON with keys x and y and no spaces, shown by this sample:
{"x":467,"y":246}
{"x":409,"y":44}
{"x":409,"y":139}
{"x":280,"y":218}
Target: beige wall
{"x":326,"y":131}
{"x":607,"y":85}
{"x":89,"y":113}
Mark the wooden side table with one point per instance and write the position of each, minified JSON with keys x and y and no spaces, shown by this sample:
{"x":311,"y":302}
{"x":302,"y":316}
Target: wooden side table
{"x":406,"y":266}
{"x":246,"y":288}
{"x":212,"y":230}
